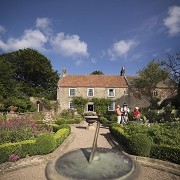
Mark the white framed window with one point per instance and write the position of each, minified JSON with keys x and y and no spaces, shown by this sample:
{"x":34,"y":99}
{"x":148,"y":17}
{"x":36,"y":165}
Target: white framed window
{"x":111,"y":106}
{"x":155,"y":93}
{"x":71,"y":105}
{"x":90,"y":92}
{"x":111,"y":92}
{"x":72,"y":92}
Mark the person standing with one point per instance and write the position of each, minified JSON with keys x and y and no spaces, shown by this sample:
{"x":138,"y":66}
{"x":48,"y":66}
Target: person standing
{"x":118,"y":114}
{"x":125,"y":111}
{"x":136,"y":114}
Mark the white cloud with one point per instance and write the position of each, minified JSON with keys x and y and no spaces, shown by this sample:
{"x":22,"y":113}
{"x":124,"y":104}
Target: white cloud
{"x":44,"y":24}
{"x":121,"y":48}
{"x":173,"y":21}
{"x":69,"y":45}
{"x":41,"y":37}
{"x":30,"y":39}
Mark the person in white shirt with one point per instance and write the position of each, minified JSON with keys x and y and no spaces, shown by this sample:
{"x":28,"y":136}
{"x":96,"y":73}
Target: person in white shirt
{"x":125,"y":111}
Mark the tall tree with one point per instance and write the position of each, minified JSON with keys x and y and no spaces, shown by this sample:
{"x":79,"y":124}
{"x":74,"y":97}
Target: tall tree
{"x":148,"y":79}
{"x":172,"y":64}
{"x":32,"y":72}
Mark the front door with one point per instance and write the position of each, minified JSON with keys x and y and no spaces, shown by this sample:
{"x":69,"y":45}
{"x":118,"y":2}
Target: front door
{"x":90,"y":107}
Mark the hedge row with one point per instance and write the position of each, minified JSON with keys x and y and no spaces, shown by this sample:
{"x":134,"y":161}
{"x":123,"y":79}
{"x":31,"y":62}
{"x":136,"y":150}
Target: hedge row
{"x":141,"y":145}
{"x":44,"y":144}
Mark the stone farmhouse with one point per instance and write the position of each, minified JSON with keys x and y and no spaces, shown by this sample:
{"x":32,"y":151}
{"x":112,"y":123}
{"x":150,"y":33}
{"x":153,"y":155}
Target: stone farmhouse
{"x":118,"y":88}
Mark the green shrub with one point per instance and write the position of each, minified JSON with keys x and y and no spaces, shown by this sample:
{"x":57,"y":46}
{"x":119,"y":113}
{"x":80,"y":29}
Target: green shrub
{"x":67,"y":114}
{"x":134,"y":128}
{"x":60,"y":121}
{"x":6,"y":150}
{"x":118,"y":131}
{"x":62,"y":126}
{"x":140,"y":144}
{"x":153,"y":116}
{"x":103,"y":120}
{"x":166,"y":153}
{"x":113,"y":118}
{"x":54,"y":127}
{"x":45,"y":143}
{"x":28,"y":148}
{"x":70,"y":121}
{"x":61,"y":135}
{"x":78,"y":120}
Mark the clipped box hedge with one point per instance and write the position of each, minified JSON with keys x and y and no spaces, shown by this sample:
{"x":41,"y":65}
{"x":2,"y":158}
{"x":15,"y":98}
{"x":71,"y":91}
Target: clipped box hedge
{"x":166,"y":153}
{"x":61,"y":135}
{"x":44,"y":144}
{"x":21,"y":148}
{"x":141,"y":144}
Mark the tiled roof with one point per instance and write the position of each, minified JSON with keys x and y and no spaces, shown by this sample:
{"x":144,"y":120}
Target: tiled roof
{"x":164,"y":84}
{"x":92,"y":81}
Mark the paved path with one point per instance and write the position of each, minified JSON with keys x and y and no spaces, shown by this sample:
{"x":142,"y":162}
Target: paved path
{"x":33,"y":168}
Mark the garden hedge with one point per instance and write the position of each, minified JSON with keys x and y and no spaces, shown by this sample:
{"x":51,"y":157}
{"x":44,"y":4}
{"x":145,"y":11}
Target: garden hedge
{"x":44,"y":144}
{"x":139,"y":142}
{"x":166,"y":153}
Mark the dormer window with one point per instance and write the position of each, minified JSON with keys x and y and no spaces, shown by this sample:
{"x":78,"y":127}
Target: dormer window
{"x":90,"y":92}
{"x":72,"y":92}
{"x":111,"y":92}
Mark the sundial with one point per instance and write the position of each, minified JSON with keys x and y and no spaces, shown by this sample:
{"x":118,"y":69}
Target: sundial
{"x":93,"y":163}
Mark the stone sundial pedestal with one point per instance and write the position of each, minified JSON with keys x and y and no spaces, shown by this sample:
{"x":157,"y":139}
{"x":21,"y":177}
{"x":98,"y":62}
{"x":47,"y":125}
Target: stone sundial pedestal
{"x":93,"y":163}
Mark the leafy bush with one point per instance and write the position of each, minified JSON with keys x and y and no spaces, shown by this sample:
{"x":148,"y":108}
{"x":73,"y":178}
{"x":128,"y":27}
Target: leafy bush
{"x":67,"y":114}
{"x":61,"y":135}
{"x":167,"y":153}
{"x":167,"y":133}
{"x":60,"y":121}
{"x":118,"y":130}
{"x":6,"y":150}
{"x":150,"y":141}
{"x":103,"y":120}
{"x":62,"y":126}
{"x":45,"y":143}
{"x":140,"y":144}
{"x":113,"y":118}
{"x":78,"y":120}
{"x":19,"y":129}
{"x":55,"y":127}
{"x":153,"y":116}
{"x":134,"y":128}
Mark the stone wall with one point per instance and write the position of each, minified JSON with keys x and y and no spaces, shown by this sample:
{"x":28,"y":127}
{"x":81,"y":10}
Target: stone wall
{"x":64,"y":99}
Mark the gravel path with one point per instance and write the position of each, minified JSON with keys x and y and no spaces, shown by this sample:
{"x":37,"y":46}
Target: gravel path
{"x":33,"y":168}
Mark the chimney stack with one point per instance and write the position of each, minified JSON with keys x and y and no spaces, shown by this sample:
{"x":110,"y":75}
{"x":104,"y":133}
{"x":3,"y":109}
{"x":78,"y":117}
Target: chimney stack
{"x":63,"y":72}
{"x":122,"y":71}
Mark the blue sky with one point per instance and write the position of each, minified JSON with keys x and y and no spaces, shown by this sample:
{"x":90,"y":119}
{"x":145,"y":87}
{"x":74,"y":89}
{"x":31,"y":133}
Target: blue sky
{"x":88,"y":35}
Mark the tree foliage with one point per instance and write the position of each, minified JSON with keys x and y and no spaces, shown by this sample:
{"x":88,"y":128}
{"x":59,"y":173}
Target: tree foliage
{"x":26,"y":73}
{"x":149,"y":77}
{"x":97,"y":73}
{"x":79,"y":103}
{"x":172,"y":64}
{"x":101,"y":105}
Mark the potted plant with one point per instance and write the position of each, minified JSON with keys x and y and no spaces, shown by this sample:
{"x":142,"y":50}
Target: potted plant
{"x":90,"y":117}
